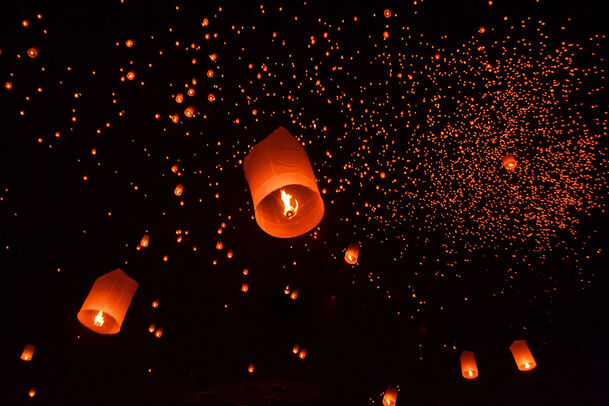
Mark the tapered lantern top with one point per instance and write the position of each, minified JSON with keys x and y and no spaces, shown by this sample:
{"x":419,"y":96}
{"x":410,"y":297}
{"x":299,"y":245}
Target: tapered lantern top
{"x":107,"y":303}
{"x":469,"y":368}
{"x":522,"y":355}
{"x":287,"y":202}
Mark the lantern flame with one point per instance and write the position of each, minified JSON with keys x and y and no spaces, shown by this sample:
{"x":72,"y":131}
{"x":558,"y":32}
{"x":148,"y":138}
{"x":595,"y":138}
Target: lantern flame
{"x":288,"y":210}
{"x":99,"y":319}
{"x":526,"y":365}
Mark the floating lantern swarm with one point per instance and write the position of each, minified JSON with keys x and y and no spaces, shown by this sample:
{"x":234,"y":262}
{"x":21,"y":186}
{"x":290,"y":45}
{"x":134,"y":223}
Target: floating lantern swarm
{"x":522,"y":355}
{"x":351,"y":254}
{"x":107,"y":303}
{"x":28,"y":352}
{"x":509,"y":162}
{"x":469,"y":368}
{"x":287,"y":202}
{"x":391,"y":395}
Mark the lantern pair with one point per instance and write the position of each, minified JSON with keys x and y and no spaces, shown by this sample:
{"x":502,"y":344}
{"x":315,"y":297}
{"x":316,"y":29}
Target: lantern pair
{"x":520,"y":351}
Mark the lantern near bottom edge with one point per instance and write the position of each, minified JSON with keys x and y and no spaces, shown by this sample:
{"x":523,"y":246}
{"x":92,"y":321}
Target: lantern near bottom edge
{"x":469,"y":368}
{"x":522,"y":355}
{"x":391,"y":396}
{"x":107,"y":303}
{"x":276,"y":165}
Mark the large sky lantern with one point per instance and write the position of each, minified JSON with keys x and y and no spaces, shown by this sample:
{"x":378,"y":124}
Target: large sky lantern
{"x":391,"y":396}
{"x":352,"y":254}
{"x":522,"y":355}
{"x":469,"y":368}
{"x":287,"y":202}
{"x":509,"y":162}
{"x":107,"y":303}
{"x":28,"y":352}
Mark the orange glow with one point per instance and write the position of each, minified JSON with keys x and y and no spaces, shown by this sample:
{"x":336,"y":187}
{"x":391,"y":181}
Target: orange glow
{"x":144,"y":241}
{"x":522,"y":355}
{"x":28,"y":352}
{"x":509,"y":162}
{"x":159,"y":333}
{"x":469,"y":368}
{"x":250,"y":368}
{"x":175,"y":168}
{"x":288,"y":210}
{"x":295,"y":349}
{"x":131,"y":75}
{"x":303,"y":353}
{"x":244,"y":287}
{"x":294,"y":295}
{"x":32,"y":392}
{"x":387,"y":13}
{"x":155,"y":304}
{"x":151,"y":328}
{"x":391,"y":395}
{"x":178,"y":190}
{"x":352,"y":254}
{"x":99,"y":319}
{"x":32,"y":52}
{"x":179,"y":98}
{"x":190,"y":111}
{"x":129,"y":43}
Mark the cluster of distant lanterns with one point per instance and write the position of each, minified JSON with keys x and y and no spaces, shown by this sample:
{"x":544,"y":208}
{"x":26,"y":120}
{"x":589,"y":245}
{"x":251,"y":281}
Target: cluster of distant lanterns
{"x":287,"y":204}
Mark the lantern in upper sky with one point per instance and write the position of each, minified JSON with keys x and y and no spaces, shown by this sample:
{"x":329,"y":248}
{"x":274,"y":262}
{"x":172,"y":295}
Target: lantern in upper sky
{"x":351,"y":254}
{"x":391,"y":396}
{"x":286,"y":199}
{"x":509,"y":162}
{"x":469,"y":368}
{"x":28,"y":352}
{"x":522,"y":355}
{"x":107,"y":303}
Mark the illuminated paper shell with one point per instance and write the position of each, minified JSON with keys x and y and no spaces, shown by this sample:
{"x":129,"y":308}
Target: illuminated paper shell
{"x":469,"y":368}
{"x":280,"y":162}
{"x":391,"y":396}
{"x":522,"y":355}
{"x":351,"y":254}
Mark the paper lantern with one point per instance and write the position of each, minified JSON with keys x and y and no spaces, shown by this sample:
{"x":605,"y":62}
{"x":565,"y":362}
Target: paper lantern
{"x":178,"y":190}
{"x":294,"y":295}
{"x":509,"y":162}
{"x":244,"y":287}
{"x":351,"y":254}
{"x":151,"y":328}
{"x":469,"y":369}
{"x":159,"y":333}
{"x":107,"y":303}
{"x":286,"y":199}
{"x":32,"y":52}
{"x":295,"y":349}
{"x":28,"y":352}
{"x":250,"y":368}
{"x":32,"y":392}
{"x":302,"y":354}
{"x":144,"y":241}
{"x":155,"y":304}
{"x":522,"y":355}
{"x":391,"y":396}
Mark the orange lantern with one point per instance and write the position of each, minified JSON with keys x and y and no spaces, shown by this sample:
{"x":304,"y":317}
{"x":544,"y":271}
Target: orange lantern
{"x":286,"y":199}
{"x":151,"y":328}
{"x":144,"y":241}
{"x":179,"y":98}
{"x":294,"y":295}
{"x":32,"y":52}
{"x":32,"y":392}
{"x":351,"y":254}
{"x":155,"y":304}
{"x":522,"y":355}
{"x":250,"y":368}
{"x":28,"y":352}
{"x":175,"y":168}
{"x":509,"y":162}
{"x":219,"y":245}
{"x":244,"y":287}
{"x":159,"y":333}
{"x":391,"y":396}
{"x":131,"y":75}
{"x":469,"y":368}
{"x":295,"y":349}
{"x":302,"y":354}
{"x":107,"y":303}
{"x":190,"y":111}
{"x":178,"y":190}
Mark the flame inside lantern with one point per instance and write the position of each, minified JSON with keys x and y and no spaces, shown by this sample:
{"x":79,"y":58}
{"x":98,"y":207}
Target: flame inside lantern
{"x":288,"y":210}
{"x":99,"y":319}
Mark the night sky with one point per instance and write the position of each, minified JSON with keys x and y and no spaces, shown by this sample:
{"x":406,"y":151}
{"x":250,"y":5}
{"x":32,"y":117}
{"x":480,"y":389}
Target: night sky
{"x":405,"y":109}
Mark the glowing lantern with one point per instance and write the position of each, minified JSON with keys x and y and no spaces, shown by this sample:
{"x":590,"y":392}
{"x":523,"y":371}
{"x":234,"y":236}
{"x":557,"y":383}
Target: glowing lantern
{"x":351,"y":254}
{"x":244,"y":287}
{"x":144,"y":241}
{"x":107,"y":303}
{"x":286,"y":199}
{"x":131,"y":75}
{"x":302,"y":354}
{"x":229,"y":254}
{"x":190,"y":111}
{"x":210,"y":73}
{"x":151,"y":328}
{"x":387,"y":13}
{"x":522,"y":355}
{"x":509,"y":162}
{"x":179,"y":98}
{"x":32,"y":392}
{"x":178,"y":190}
{"x":155,"y":304}
{"x":391,"y":395}
{"x":219,"y":245}
{"x":211,"y":97}
{"x":294,"y":295}
{"x":32,"y":52}
{"x":295,"y":349}
{"x":159,"y":333}
{"x":250,"y":368}
{"x":469,"y":368}
{"x":175,"y":168}
{"x":129,"y":43}
{"x":28,"y":352}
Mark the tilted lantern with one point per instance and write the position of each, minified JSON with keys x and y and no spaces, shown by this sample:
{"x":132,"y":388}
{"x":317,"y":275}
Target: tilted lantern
{"x":522,"y":355}
{"x":28,"y":352}
{"x":391,"y":396}
{"x":107,"y":303}
{"x":351,"y":254}
{"x":469,"y":368}
{"x":286,"y":199}
{"x":509,"y":162}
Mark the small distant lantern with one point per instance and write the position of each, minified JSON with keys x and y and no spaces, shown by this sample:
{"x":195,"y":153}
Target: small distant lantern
{"x":178,"y":190}
{"x":159,"y":333}
{"x":32,"y":52}
{"x":250,"y":368}
{"x":294,"y":295}
{"x":144,"y":241}
{"x":229,"y":254}
{"x":287,"y":202}
{"x":28,"y":352}
{"x":151,"y":328}
{"x":107,"y":303}
{"x":179,"y":98}
{"x":391,"y":396}
{"x":219,"y":245}
{"x":351,"y":254}
{"x":509,"y":162}
{"x":469,"y":368}
{"x":175,"y":168}
{"x":302,"y":354}
{"x":131,"y":75}
{"x":155,"y":304}
{"x":295,"y":349}
{"x":32,"y":392}
{"x":522,"y":355}
{"x":190,"y":111}
{"x":244,"y":287}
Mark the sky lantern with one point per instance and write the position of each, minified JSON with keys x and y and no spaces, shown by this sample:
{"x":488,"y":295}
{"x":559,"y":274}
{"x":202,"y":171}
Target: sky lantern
{"x":250,"y":368}
{"x":178,"y":190}
{"x":129,"y":43}
{"x":387,"y":13}
{"x":509,"y":162}
{"x":219,"y":245}
{"x":522,"y":355}
{"x":190,"y":111}
{"x":179,"y":98}
{"x":145,"y":240}
{"x":287,"y":202}
{"x":352,"y":253}
{"x":32,"y":392}
{"x":131,"y":75}
{"x":295,"y":349}
{"x":175,"y":168}
{"x":302,"y":354}
{"x":107,"y":303}
{"x":244,"y":287}
{"x":159,"y":333}
{"x":391,"y":396}
{"x":151,"y":328}
{"x":155,"y":304}
{"x":469,"y":368}
{"x":294,"y":295}
{"x":32,"y":52}
{"x":28,"y":352}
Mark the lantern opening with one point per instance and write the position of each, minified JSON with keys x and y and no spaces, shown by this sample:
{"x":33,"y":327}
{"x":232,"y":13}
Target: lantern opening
{"x":288,"y":210}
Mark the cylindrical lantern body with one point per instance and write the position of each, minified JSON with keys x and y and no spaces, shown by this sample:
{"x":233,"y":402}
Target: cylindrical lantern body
{"x":351,"y":254}
{"x":391,"y":396}
{"x":178,"y":190}
{"x":159,"y":333}
{"x":509,"y":162}
{"x":28,"y":352}
{"x":144,"y":241}
{"x":111,"y":294}
{"x":279,"y":163}
{"x":469,"y":368}
{"x":522,"y":355}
